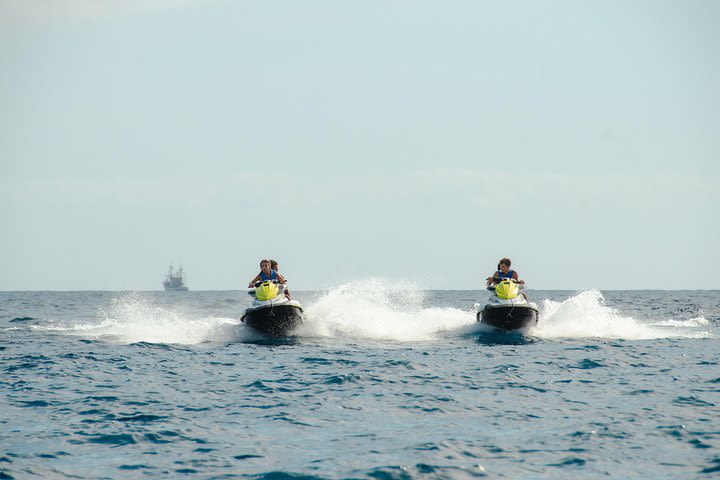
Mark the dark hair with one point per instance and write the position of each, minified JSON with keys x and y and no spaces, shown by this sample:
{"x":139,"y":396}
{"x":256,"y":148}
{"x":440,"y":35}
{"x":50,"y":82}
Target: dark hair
{"x":504,"y":261}
{"x":273,"y":265}
{"x":265,"y":260}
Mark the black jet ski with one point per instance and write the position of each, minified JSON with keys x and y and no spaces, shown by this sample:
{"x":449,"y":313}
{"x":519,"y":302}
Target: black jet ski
{"x":271,"y":312}
{"x":508,"y":307}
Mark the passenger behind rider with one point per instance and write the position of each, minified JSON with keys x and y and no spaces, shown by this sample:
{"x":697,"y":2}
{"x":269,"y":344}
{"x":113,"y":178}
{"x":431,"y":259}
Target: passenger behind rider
{"x":275,"y":267}
{"x":504,"y":272}
{"x":266,"y":274}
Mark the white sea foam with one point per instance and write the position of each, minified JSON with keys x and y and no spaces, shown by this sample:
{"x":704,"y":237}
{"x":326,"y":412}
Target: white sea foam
{"x":700,"y":321}
{"x":370,"y":309}
{"x":382,"y":310}
{"x":135,"y":318}
{"x":586,"y":315}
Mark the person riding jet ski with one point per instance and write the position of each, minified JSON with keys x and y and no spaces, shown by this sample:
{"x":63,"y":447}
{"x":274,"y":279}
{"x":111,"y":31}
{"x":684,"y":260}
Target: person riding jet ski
{"x":504,"y":272}
{"x":508,"y":307}
{"x":275,"y":267}
{"x":272,"y":312}
{"x":266,"y":274}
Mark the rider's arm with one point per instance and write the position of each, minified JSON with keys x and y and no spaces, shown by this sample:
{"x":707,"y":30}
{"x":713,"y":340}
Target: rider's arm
{"x":280,"y":278}
{"x":252,"y":282}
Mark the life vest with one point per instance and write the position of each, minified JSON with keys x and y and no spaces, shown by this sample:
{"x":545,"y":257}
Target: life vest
{"x":265,"y":277}
{"x":500,"y":274}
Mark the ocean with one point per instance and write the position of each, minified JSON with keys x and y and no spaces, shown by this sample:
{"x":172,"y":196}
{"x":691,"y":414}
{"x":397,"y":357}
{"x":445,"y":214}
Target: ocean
{"x":378,"y":383}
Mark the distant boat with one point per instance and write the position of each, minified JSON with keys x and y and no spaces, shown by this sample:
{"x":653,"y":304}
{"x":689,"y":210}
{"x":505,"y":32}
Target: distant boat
{"x":174,"y":281}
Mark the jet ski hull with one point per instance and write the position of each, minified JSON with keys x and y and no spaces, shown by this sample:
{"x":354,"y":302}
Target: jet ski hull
{"x":274,"y":320}
{"x":509,"y":317}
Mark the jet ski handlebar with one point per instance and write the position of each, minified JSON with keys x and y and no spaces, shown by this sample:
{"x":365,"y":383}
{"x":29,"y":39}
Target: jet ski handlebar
{"x":251,"y":290}
{"x":519,"y":283}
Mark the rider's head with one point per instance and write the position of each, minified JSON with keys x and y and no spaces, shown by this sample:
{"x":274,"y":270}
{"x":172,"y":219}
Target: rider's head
{"x":504,"y":265}
{"x":265,"y":266}
{"x":273,"y":265}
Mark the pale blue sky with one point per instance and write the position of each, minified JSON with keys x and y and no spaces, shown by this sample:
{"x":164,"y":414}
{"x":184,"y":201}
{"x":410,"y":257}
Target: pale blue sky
{"x":418,"y":141}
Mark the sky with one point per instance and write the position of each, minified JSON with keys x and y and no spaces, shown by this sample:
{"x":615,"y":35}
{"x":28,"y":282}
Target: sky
{"x":412,"y":141}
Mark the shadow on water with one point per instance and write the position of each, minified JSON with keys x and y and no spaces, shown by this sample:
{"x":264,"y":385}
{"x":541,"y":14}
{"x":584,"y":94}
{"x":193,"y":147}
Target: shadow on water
{"x":159,"y":346}
{"x":272,"y":341}
{"x":498,"y":337}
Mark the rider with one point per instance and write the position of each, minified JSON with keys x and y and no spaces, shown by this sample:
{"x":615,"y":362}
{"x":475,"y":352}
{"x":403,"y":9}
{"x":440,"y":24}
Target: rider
{"x":504,"y":272}
{"x":266,"y":274}
{"x":275,"y":268}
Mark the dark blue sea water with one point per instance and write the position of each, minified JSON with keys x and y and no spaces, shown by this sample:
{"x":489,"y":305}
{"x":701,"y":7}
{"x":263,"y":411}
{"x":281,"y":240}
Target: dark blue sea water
{"x":376,"y":384}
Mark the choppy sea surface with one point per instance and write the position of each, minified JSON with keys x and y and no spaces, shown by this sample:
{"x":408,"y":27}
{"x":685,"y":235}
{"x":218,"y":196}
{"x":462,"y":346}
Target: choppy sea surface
{"x":378,"y":383}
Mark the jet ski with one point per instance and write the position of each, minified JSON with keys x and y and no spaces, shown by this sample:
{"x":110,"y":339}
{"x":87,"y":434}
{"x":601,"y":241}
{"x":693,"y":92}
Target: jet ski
{"x":508,"y":308}
{"x":271,"y":312}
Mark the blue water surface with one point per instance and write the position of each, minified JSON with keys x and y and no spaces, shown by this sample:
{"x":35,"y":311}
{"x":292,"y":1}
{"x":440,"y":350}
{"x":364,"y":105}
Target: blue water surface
{"x":376,"y":384}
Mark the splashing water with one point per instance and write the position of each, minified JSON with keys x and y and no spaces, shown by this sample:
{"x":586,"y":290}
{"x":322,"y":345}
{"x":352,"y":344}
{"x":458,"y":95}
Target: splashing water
{"x":137,"y":318}
{"x":372,"y":309}
{"x":585,"y":315}
{"x":379,"y":310}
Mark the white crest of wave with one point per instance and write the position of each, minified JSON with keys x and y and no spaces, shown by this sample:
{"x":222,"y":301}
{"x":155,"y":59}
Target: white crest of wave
{"x":381,"y":310}
{"x":700,"y":321}
{"x":134,"y":318}
{"x":585,"y":315}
